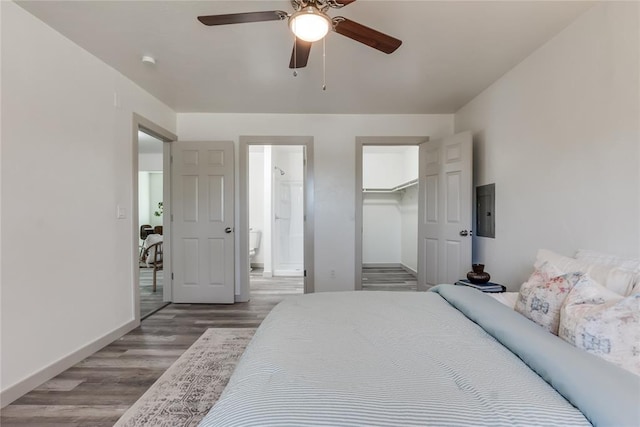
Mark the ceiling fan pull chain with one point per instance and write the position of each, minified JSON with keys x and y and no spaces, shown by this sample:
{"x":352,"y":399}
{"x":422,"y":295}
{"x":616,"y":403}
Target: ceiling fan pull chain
{"x":324,"y":64}
{"x":295,"y":56}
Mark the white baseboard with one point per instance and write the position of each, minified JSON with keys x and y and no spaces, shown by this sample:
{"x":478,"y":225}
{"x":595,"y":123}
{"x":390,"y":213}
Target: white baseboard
{"x":409,"y":270}
{"x":390,"y":265}
{"x":23,"y":387}
{"x":288,"y":273}
{"x":381,"y":264}
{"x":240,"y":298}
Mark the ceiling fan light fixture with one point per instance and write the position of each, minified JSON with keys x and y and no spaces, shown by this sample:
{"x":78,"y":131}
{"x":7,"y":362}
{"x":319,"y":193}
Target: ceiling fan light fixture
{"x":309,"y":24}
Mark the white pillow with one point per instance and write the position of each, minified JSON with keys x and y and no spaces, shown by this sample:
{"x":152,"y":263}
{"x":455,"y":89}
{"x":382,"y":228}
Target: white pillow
{"x":563,"y":263}
{"x":541,"y":297}
{"x":603,"y":323}
{"x":621,"y":280}
{"x":595,"y":257}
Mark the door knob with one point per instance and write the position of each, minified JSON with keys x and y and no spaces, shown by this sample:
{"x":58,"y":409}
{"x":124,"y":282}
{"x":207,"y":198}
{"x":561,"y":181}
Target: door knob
{"x":464,"y":233}
{"x":228,"y":230}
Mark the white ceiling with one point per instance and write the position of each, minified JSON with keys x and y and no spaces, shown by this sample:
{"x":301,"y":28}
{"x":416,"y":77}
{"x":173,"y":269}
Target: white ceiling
{"x":451,"y":51}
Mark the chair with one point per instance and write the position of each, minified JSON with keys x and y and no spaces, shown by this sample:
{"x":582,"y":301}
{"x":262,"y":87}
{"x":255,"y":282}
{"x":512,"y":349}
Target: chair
{"x":145,"y":230}
{"x":153,"y":256}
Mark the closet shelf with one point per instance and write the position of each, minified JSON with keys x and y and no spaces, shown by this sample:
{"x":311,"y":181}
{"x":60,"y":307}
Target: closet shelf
{"x":392,"y":190}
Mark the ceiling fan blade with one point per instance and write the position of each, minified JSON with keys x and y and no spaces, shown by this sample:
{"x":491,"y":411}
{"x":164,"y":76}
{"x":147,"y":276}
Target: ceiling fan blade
{"x":340,"y":3}
{"x":300,"y":54}
{"x":366,"y":35}
{"x":240,"y":18}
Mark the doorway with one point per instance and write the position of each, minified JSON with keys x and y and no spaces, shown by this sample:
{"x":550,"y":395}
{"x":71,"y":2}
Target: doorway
{"x":387,"y":213}
{"x":389,"y":217}
{"x":150,"y":223}
{"x":276,"y":215}
{"x":276,"y":218}
{"x":151,"y":161}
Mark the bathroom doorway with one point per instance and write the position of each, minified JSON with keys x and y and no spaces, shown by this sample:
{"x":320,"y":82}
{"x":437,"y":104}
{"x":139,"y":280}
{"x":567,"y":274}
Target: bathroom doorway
{"x":276,"y":218}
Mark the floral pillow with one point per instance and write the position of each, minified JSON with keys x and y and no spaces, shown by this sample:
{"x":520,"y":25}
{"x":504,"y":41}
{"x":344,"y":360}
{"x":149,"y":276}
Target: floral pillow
{"x":541,"y":297}
{"x":603,"y":323}
{"x":621,"y":275}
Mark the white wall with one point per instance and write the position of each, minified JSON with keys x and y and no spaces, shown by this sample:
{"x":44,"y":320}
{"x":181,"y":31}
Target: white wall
{"x":381,"y":228}
{"x":289,"y":159}
{"x":143,"y":199}
{"x":288,"y":236}
{"x":559,"y":136}
{"x":149,"y":194}
{"x":256,"y":197}
{"x":150,"y":161}
{"x":155,"y":197}
{"x":390,"y":220}
{"x":265,"y":240}
{"x":409,"y":227}
{"x":410,"y":164}
{"x":382,"y":167}
{"x":390,"y":228}
{"x":149,"y":187}
{"x":388,"y":166}
{"x":334,"y":145}
{"x":60,"y":127}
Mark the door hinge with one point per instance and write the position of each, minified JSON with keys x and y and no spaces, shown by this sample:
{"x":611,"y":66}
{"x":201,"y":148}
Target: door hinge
{"x":171,"y":276}
{"x":171,"y":158}
{"x":305,"y":273}
{"x":171,"y":217}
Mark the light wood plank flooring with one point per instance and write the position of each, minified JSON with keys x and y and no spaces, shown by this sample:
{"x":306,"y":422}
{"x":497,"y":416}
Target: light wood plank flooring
{"x":98,"y":390}
{"x":150,"y":301}
{"x":388,"y":279}
{"x":261,"y":286}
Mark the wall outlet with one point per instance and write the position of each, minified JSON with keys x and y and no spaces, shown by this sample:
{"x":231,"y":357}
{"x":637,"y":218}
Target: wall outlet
{"x":333,"y":274}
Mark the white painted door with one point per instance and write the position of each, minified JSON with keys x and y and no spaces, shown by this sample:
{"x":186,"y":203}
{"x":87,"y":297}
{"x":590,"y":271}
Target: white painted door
{"x":444,"y":227}
{"x":203,"y":221}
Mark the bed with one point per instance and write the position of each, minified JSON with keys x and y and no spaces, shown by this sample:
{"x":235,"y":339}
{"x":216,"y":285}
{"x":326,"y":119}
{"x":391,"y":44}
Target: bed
{"x":450,"y":357}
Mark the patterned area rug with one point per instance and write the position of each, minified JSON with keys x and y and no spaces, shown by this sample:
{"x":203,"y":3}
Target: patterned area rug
{"x":183,"y":395}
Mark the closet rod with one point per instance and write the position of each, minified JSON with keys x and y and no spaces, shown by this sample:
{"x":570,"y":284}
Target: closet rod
{"x":391,"y":190}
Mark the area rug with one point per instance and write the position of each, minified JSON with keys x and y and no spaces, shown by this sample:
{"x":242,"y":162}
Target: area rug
{"x":183,"y":395}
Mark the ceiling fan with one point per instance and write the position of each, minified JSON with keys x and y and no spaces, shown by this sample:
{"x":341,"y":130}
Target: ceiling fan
{"x":309,"y":23}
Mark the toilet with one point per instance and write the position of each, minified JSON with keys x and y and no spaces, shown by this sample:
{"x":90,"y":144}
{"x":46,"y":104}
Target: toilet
{"x":254,"y":244}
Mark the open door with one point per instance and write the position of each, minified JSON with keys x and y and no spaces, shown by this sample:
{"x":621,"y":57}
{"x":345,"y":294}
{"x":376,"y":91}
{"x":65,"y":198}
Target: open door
{"x":444,"y":228}
{"x":203,"y":222}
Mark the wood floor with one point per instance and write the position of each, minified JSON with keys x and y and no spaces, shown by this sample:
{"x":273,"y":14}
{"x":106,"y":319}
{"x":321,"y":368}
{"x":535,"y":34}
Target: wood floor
{"x":388,"y":279}
{"x":150,"y":301}
{"x":98,"y":390}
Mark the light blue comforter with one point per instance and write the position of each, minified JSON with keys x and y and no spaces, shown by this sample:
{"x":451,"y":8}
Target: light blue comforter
{"x":395,"y":359}
{"x":606,"y":394}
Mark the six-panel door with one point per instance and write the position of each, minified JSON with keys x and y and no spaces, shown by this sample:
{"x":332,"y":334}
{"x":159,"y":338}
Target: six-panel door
{"x":203,"y":221}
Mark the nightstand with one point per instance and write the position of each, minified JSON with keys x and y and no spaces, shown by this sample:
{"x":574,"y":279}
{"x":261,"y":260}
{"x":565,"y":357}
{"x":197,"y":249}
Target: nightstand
{"x":489,"y":287}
